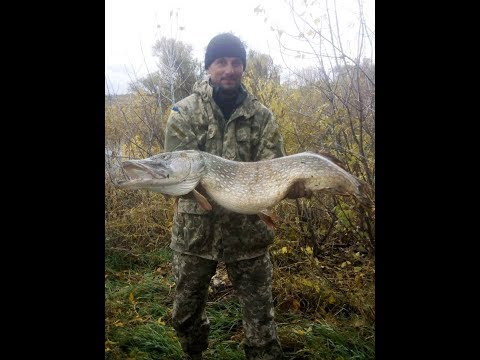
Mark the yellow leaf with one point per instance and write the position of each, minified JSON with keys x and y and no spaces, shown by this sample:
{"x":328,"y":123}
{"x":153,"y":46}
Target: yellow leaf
{"x":299,"y":332}
{"x":331,"y":299}
{"x":284,"y":250}
{"x":160,"y":321}
{"x":358,"y":323}
{"x":131,"y":298}
{"x":309,"y":250}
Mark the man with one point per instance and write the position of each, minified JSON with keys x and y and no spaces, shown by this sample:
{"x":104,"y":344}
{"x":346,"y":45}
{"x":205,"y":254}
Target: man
{"x":221,"y":117}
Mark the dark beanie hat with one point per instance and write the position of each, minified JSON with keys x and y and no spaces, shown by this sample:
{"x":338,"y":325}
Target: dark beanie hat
{"x":225,"y":45}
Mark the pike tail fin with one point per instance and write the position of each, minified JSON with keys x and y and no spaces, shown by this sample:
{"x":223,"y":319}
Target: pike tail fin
{"x":365,"y":194}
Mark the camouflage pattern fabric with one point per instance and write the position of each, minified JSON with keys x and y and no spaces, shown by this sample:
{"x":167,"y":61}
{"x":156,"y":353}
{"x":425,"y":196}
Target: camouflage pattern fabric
{"x":192,"y":278}
{"x":252,"y":281}
{"x":250,"y":134}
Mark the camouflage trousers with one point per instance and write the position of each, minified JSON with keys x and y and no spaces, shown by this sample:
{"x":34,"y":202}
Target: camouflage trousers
{"x":252,"y":281}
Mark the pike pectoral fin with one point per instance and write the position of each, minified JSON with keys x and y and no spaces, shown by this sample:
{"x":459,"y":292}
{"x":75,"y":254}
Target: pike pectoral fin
{"x":175,"y":206}
{"x":202,"y":201}
{"x":268,"y":218}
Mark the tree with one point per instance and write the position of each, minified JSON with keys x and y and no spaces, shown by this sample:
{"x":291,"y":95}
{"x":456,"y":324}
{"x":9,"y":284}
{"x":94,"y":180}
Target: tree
{"x":330,"y":101}
{"x":176,"y":74}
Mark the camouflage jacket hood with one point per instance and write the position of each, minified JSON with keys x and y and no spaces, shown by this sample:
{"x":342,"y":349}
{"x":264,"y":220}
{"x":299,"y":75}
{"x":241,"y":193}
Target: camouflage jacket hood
{"x":250,"y":134}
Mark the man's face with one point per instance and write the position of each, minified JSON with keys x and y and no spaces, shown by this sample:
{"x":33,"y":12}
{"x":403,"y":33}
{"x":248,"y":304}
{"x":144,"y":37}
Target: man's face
{"x":226,"y":72}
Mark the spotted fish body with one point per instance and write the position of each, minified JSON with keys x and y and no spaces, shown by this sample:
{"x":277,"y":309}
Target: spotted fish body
{"x":242,"y":187}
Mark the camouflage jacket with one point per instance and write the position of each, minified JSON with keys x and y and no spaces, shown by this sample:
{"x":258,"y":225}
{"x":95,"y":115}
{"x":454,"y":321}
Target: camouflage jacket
{"x":250,"y":134}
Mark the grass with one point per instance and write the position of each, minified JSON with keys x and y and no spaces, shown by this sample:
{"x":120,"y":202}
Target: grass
{"x":139,"y":291}
{"x":307,"y":340}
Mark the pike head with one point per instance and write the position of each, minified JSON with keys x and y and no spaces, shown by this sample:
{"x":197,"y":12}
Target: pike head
{"x":172,"y":173}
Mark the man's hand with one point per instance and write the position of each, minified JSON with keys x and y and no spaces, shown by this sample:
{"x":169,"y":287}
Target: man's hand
{"x":298,"y":190}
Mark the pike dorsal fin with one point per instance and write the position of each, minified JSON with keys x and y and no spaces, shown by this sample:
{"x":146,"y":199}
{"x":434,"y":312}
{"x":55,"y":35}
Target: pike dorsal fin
{"x":333,"y":159}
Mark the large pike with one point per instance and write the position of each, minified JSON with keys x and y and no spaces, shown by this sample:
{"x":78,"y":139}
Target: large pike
{"x":242,"y":187}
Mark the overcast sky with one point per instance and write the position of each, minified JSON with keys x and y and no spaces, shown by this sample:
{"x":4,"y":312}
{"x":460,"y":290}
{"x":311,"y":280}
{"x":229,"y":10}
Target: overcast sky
{"x":133,"y":26}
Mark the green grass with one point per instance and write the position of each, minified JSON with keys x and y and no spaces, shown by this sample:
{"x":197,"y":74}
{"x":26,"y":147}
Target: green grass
{"x":117,"y":259}
{"x":145,"y":341}
{"x":139,"y":291}
{"x":322,"y":341}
